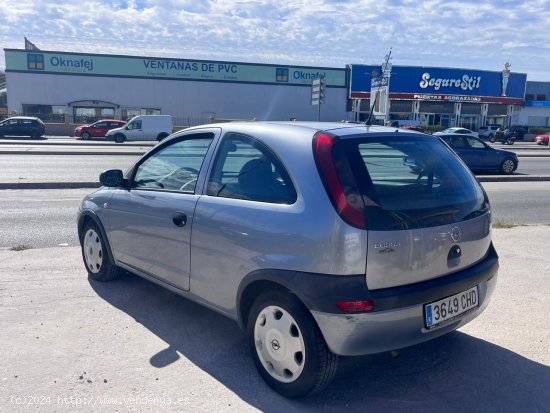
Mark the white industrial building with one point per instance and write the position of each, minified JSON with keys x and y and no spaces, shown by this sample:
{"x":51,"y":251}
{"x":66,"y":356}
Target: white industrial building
{"x":89,"y":86}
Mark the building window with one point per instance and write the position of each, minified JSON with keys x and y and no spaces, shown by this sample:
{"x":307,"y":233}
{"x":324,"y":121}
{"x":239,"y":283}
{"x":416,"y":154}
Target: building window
{"x":529,"y":96}
{"x":85,"y":114}
{"x":127,"y":114}
{"x":541,"y":97}
{"x":48,"y":113}
{"x":541,"y":121}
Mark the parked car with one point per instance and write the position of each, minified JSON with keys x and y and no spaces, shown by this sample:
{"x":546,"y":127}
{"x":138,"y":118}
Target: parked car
{"x":487,"y":132}
{"x":143,"y":128}
{"x":22,"y":126}
{"x":542,"y":139}
{"x":97,"y":129}
{"x":519,"y":131}
{"x":481,"y":157}
{"x":319,"y":239}
{"x":461,"y":131}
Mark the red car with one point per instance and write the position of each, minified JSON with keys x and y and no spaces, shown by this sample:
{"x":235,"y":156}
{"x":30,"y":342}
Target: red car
{"x":416,"y":128}
{"x":542,"y":139}
{"x":97,"y":129}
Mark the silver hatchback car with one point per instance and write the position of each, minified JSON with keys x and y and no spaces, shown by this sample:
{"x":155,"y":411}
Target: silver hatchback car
{"x":319,"y":239}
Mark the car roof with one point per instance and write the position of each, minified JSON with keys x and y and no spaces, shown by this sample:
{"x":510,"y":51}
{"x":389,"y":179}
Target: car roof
{"x":23,"y":117}
{"x":310,"y":128}
{"x":454,"y":135}
{"x":297,"y":136}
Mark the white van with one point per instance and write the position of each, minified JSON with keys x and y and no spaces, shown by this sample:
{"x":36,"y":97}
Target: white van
{"x":143,"y":128}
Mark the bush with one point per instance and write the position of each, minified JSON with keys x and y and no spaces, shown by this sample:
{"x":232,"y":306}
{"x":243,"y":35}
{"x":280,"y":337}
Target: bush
{"x":537,"y":130}
{"x":434,"y":128}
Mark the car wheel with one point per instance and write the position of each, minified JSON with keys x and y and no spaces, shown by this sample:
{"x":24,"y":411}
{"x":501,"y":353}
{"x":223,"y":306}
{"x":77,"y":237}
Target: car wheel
{"x":287,"y":346}
{"x":85,"y":136}
{"x":96,"y":256}
{"x":161,"y":136}
{"x":119,"y":138}
{"x":508,"y":166}
{"x":492,"y":139}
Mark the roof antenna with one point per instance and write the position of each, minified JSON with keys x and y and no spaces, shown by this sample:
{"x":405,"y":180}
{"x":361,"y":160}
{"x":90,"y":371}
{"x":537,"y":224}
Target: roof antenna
{"x":384,"y":73}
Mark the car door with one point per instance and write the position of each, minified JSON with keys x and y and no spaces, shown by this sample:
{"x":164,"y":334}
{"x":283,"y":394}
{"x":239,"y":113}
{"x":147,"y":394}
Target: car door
{"x":98,"y":129}
{"x":134,"y":130}
{"x":150,"y":224}
{"x":242,"y":221}
{"x":460,"y":146}
{"x":482,"y":156}
{"x":7,"y":127}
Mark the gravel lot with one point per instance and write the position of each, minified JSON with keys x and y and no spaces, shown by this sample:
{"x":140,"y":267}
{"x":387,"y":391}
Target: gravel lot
{"x":71,"y":344}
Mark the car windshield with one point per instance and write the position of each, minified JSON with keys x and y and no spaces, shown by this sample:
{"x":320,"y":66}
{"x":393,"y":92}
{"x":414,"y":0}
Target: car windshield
{"x":412,"y":182}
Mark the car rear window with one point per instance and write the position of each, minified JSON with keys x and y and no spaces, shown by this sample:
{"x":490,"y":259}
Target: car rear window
{"x":410,"y":181}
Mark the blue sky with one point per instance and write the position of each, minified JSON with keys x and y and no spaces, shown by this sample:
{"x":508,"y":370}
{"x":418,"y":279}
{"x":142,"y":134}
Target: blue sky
{"x":444,"y":33}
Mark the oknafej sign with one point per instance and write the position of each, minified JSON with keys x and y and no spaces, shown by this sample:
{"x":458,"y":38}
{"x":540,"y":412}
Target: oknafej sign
{"x":161,"y":68}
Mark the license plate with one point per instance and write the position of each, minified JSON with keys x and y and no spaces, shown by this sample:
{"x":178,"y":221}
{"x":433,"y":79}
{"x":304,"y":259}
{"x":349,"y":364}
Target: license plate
{"x":451,"y":307}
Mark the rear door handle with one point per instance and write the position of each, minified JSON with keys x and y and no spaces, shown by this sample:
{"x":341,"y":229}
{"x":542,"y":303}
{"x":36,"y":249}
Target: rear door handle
{"x":179,"y":219}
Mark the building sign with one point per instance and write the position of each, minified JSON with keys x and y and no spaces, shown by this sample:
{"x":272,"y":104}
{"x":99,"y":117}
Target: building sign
{"x":444,"y":84}
{"x":447,"y":98}
{"x":161,"y":68}
{"x":537,"y":103}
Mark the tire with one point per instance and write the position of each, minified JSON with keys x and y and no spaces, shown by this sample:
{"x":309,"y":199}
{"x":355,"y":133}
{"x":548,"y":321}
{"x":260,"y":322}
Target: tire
{"x":85,"y":136}
{"x":96,"y":255}
{"x":161,"y":136}
{"x":277,"y":318}
{"x":492,"y":139}
{"x":120,"y":138}
{"x":508,"y":166}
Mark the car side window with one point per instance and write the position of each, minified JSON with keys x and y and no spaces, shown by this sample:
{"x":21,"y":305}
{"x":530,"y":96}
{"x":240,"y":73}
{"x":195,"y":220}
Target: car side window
{"x":135,"y":125}
{"x":175,"y":167}
{"x":246,"y":169}
{"x":100,"y":125}
{"x":475,"y":144}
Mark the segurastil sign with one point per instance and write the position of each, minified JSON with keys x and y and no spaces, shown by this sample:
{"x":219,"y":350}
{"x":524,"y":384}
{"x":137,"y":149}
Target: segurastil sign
{"x":443,"y":84}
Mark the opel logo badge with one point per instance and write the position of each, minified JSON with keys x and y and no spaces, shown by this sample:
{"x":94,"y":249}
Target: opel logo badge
{"x":455,"y":234}
{"x":275,"y":345}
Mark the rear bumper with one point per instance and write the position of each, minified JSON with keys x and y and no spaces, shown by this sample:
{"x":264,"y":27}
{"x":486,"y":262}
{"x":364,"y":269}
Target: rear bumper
{"x":403,"y":326}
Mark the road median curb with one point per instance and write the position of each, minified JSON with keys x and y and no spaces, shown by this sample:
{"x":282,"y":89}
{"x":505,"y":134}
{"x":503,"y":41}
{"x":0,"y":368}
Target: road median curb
{"x":83,"y":185}
{"x":49,"y":185}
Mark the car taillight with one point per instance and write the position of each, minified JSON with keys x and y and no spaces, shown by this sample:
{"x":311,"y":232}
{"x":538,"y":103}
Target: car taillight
{"x":356,"y":306}
{"x":334,"y":168}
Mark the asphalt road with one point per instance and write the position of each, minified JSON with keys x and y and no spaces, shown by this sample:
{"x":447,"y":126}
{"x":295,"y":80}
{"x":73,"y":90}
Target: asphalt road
{"x":86,"y":168}
{"x":47,"y":218}
{"x":60,"y":168}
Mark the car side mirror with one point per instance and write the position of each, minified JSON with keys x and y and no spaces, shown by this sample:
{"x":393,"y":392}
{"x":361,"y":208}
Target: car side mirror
{"x":112,"y":178}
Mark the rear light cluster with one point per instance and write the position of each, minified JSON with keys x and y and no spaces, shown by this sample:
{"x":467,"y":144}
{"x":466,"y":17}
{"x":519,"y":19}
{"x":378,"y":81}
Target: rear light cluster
{"x":338,"y":179}
{"x":356,"y":306}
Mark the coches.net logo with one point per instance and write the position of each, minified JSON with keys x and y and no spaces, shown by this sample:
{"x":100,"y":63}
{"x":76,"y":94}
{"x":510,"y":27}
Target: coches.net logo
{"x":35,"y":61}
